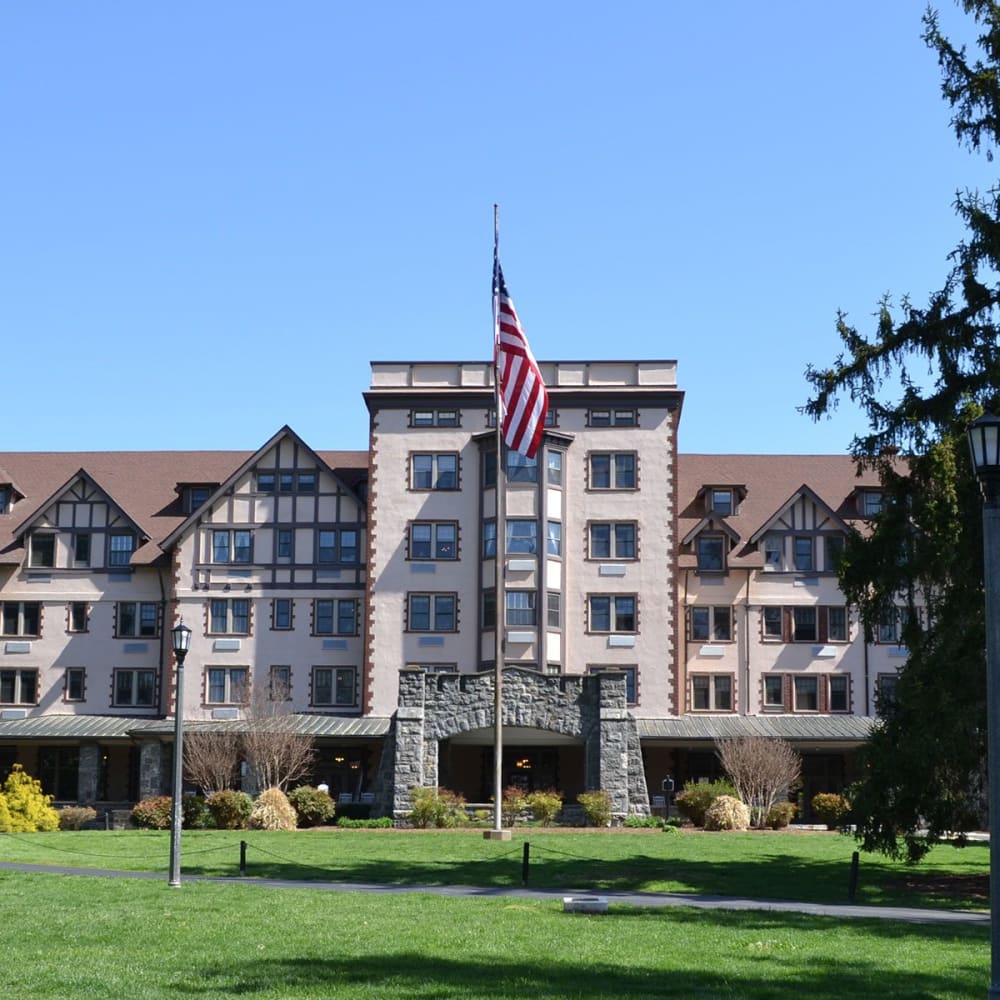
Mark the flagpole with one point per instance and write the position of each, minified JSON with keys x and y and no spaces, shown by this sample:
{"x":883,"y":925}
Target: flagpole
{"x":498,"y":833}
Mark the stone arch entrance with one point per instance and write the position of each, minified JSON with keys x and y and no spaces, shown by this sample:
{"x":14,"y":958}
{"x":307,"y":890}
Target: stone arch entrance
{"x":588,"y":714}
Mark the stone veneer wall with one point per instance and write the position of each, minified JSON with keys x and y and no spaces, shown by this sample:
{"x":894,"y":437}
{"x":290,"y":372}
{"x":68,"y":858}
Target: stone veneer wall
{"x":435,"y":707}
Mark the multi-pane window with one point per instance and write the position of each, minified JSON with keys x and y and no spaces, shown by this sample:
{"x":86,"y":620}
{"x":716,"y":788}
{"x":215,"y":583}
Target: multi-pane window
{"x":489,"y":608}
{"x":431,"y":471}
{"x":333,"y":686}
{"x":134,"y":688}
{"x":711,"y":692}
{"x":335,"y":617}
{"x":553,"y":603}
{"x":18,"y":687}
{"x":229,"y":616}
{"x":872,"y":503}
{"x":337,"y":546}
{"x":833,"y":552}
{"x":722,"y":502}
{"x":234,"y":546}
{"x":195,"y":496}
{"x":623,"y":417}
{"x":489,"y":539}
{"x":612,"y":613}
{"x":801,"y":623}
{"x":806,"y":693}
{"x":890,"y":625}
{"x":710,"y":550}
{"x":804,"y":553}
{"x":522,"y":536}
{"x":521,"y":608}
{"x":520,"y":468}
{"x":773,"y":552}
{"x":885,"y":693}
{"x":836,"y":624}
{"x":81,"y":548}
{"x":434,"y":540}
{"x":77,"y":618}
{"x":774,"y":691}
{"x":554,"y":464}
{"x":74,"y":684}
{"x":804,"y":625}
{"x":434,"y":418}
{"x":839,"y":692}
{"x":227,"y":685}
{"x":613,"y":470}
{"x":281,"y":613}
{"x":711,"y":623}
{"x":431,"y":612}
{"x":43,"y":550}
{"x":612,"y":540}
{"x":284,"y":543}
{"x":489,"y":468}
{"x":553,"y":538}
{"x":20,"y":617}
{"x":279,"y":683}
{"x":121,"y":544}
{"x":286,"y":482}
{"x":137,"y":618}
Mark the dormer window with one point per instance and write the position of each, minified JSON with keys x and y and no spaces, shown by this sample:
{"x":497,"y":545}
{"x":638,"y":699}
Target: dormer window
{"x":121,"y":545}
{"x":196,"y":497}
{"x":711,"y":553}
{"x":43,"y":551}
{"x":773,"y":545}
{"x":722,"y":502}
{"x":4,"y":499}
{"x":872,"y":503}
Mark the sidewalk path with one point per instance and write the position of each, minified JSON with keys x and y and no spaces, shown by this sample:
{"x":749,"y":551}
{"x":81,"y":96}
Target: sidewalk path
{"x":845,"y":911}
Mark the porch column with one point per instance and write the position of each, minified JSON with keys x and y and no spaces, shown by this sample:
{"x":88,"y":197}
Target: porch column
{"x":150,"y":768}
{"x":409,"y":770}
{"x":88,"y":773}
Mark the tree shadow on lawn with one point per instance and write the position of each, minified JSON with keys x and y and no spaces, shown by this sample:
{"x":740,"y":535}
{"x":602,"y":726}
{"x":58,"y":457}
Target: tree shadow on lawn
{"x":751,"y":967}
{"x":773,"y":876}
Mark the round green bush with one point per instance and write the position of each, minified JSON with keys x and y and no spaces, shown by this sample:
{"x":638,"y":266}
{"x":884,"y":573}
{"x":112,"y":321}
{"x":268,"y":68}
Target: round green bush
{"x":230,"y":810}
{"x":312,"y":806}
{"x":694,"y":801}
{"x":152,"y":813}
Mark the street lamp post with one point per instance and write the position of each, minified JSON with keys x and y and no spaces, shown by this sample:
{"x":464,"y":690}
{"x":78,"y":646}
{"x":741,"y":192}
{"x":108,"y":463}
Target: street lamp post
{"x":180,"y":639}
{"x":984,"y":442}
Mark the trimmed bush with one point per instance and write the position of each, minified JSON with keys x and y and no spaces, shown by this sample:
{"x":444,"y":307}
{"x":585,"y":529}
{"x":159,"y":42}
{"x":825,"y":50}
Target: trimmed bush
{"x":830,"y":808}
{"x":382,"y":823}
{"x":195,"y":814}
{"x":74,"y":817}
{"x":694,"y":801}
{"x":230,"y":809}
{"x":436,"y":807}
{"x":727,"y":813}
{"x":29,"y":807}
{"x":312,"y":806}
{"x":545,"y":806}
{"x":596,"y":807}
{"x":273,"y":811}
{"x":153,"y":813}
{"x":780,"y":815}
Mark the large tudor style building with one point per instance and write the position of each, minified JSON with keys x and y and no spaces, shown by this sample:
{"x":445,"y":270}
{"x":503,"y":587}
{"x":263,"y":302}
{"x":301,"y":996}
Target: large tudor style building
{"x":652,"y":602}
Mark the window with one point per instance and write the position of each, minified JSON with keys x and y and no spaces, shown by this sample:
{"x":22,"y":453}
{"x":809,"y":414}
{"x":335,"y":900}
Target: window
{"x":773,"y":546}
{"x":305,"y":482}
{"x":227,"y":685}
{"x":553,"y":543}
{"x":284,"y":543}
{"x":137,"y":619}
{"x":77,"y":619}
{"x":521,"y":608}
{"x":286,"y":482}
{"x":229,"y":616}
{"x":134,"y":688}
{"x":885,"y":693}
{"x":4,"y":498}
{"x":711,"y":692}
{"x":232,"y":546}
{"x":43,"y":551}
{"x":522,"y":536}
{"x":265,"y":482}
{"x":553,"y":604}
{"x":489,"y":539}
{"x":489,"y":469}
{"x":333,"y":685}
{"x":872,"y":503}
{"x":804,"y":625}
{"x":489,"y":609}
{"x":890,"y":626}
{"x":337,"y":546}
{"x":81,"y":548}
{"x":631,"y":674}
{"x":839,"y":692}
{"x":21,"y":617}
{"x":773,"y":626}
{"x":434,"y":668}
{"x":774,"y":691}
{"x":612,"y":613}
{"x":837,"y":624}
{"x":833,"y":552}
{"x":800,"y":623}
{"x":18,"y":687}
{"x":434,"y":540}
{"x":195,"y":497}
{"x":434,"y":471}
{"x":434,"y":418}
{"x":431,"y":612}
{"x":120,"y":548}
{"x":520,"y":468}
{"x":612,"y":540}
{"x":279,"y":683}
{"x":281,"y":613}
{"x":806,"y":691}
{"x":553,"y":461}
{"x":710,"y":550}
{"x":711,"y":623}
{"x":803,"y":554}
{"x":612,"y":470}
{"x":612,"y":418}
{"x":722,"y":502}
{"x":74,"y":684}
{"x":335,"y":617}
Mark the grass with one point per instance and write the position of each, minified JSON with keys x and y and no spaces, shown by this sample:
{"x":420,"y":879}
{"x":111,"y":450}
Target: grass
{"x":69,"y":937}
{"x":811,"y":867}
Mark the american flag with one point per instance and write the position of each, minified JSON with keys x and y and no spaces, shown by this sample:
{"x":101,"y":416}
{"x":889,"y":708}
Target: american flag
{"x":523,"y":399}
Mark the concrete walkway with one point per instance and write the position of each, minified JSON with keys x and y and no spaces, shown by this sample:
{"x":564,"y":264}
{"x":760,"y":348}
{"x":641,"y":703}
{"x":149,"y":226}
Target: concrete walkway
{"x":903,"y":914}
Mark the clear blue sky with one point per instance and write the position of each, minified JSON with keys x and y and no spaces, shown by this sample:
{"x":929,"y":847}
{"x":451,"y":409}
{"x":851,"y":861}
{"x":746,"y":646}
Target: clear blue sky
{"x":215,"y":215}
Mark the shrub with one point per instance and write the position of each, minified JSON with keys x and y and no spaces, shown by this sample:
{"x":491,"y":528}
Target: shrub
{"x":74,"y":817}
{"x":694,"y":801}
{"x":596,"y":807}
{"x":29,"y":807}
{"x":383,"y":822}
{"x":436,"y":807}
{"x":230,"y":809}
{"x":312,"y":806}
{"x":152,"y":813}
{"x":642,"y":822}
{"x":273,"y":811}
{"x":4,"y":815}
{"x":195,"y":814}
{"x":545,"y":806}
{"x":673,"y":823}
{"x":780,"y":815}
{"x":512,"y":805}
{"x":727,"y":813}
{"x":830,"y":808}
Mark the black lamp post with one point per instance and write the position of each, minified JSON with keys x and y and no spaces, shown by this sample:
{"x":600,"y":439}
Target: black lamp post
{"x":984,"y":442}
{"x":180,"y":640}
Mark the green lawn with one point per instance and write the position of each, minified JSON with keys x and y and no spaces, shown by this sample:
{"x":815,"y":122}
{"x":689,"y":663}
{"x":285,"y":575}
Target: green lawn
{"x":69,"y":937}
{"x":811,"y":867}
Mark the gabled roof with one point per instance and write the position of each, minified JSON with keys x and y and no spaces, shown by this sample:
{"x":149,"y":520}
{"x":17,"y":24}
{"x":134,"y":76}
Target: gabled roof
{"x":809,"y":494}
{"x":712,"y":522}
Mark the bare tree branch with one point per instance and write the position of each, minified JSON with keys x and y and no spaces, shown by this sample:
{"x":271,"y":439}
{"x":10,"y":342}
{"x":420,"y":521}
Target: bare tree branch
{"x":761,"y":771}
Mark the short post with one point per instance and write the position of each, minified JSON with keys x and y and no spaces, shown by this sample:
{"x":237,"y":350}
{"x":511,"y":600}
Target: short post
{"x":243,"y":859}
{"x":524,"y":863}
{"x":852,"y":883}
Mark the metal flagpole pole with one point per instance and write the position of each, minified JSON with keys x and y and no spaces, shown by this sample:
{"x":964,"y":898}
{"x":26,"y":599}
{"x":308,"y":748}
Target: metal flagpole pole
{"x":498,"y":832}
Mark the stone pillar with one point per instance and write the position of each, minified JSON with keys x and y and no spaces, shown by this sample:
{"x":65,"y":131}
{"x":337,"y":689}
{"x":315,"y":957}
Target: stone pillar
{"x":88,"y":773}
{"x":150,"y":768}
{"x":409,"y":768}
{"x":613,"y":742}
